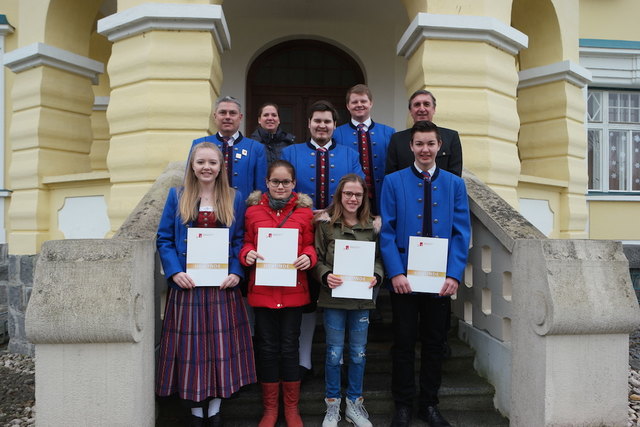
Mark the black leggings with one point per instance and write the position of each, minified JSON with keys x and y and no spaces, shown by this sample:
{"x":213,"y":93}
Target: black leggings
{"x":276,"y":343}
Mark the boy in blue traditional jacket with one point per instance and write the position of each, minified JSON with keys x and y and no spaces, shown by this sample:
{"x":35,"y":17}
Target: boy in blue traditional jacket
{"x":421,"y":200}
{"x":370,"y":139}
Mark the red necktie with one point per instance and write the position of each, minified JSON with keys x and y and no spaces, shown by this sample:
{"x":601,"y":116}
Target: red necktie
{"x":427,"y":176}
{"x":226,"y":150}
{"x":365,"y":159}
{"x":322,"y":198}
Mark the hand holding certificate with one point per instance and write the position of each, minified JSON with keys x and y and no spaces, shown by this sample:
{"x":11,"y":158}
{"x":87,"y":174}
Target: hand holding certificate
{"x":279,"y":250}
{"x":208,"y":255}
{"x":427,"y":263}
{"x":353,"y":263}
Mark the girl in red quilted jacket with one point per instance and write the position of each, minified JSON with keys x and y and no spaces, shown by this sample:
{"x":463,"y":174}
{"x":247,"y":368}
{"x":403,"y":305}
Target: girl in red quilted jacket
{"x":278,"y":309}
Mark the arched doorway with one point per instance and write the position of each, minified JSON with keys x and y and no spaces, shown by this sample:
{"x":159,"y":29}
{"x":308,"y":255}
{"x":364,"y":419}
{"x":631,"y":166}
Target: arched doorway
{"x":295,"y":74}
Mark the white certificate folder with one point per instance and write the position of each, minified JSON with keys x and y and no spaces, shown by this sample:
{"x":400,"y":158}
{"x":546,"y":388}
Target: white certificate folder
{"x":353,"y":261}
{"x":208,"y":255}
{"x":427,"y":264}
{"x":279,"y":247}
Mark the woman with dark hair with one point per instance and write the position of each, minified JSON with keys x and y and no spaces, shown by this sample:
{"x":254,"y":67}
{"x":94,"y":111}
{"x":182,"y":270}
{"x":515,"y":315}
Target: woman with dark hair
{"x":278,"y":309}
{"x":269,"y":132}
{"x":206,"y":352}
{"x":348,"y":217}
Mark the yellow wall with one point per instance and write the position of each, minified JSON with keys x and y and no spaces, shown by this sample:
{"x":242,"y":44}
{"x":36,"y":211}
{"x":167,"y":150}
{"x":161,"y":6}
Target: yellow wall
{"x":610,"y":19}
{"x":614,"y":220}
{"x":59,"y":191}
{"x":543,"y":189}
{"x":10,"y":10}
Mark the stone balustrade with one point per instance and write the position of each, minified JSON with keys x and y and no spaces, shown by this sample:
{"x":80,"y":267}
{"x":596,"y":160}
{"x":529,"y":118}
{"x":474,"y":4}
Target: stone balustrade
{"x":549,"y":319}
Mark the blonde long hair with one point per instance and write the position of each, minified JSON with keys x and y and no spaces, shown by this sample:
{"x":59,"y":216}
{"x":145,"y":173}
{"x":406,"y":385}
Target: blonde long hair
{"x":223,"y":194}
{"x":335,"y":209}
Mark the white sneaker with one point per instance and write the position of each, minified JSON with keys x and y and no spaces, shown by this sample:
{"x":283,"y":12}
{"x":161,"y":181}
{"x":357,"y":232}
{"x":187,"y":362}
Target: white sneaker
{"x":356,"y":414}
{"x":333,"y":413}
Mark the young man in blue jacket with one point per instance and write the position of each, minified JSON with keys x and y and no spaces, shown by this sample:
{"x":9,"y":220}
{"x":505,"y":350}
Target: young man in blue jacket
{"x":368,"y":138}
{"x":421,"y":200}
{"x":320,"y":162}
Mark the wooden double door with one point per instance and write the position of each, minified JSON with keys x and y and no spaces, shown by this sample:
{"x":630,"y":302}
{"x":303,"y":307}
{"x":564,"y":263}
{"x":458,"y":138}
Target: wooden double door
{"x":294,"y":75}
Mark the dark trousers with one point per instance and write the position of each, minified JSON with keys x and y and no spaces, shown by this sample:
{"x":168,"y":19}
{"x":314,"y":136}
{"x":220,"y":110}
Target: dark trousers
{"x":427,"y":315}
{"x":276,"y":343}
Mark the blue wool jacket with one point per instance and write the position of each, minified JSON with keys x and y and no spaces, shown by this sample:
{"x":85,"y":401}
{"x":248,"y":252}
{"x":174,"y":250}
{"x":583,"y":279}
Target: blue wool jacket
{"x":249,"y":163}
{"x":402,"y":216}
{"x":379,"y":137}
{"x":340,"y":161}
{"x":171,"y":240}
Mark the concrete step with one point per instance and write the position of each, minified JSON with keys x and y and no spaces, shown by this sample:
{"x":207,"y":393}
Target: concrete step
{"x":463,"y":391}
{"x":465,"y":398}
{"x":455,"y":417}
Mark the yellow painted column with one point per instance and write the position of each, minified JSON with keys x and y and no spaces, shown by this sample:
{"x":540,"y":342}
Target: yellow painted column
{"x":551,"y":105}
{"x":553,"y":138}
{"x":165,"y":74}
{"x":468,"y":62}
{"x":50,"y":133}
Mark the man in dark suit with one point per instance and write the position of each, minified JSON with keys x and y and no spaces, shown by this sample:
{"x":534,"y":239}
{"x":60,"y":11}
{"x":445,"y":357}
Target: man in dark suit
{"x":422,"y":106}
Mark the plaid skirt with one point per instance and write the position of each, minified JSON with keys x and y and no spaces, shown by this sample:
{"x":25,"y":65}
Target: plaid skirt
{"x":205,"y":349}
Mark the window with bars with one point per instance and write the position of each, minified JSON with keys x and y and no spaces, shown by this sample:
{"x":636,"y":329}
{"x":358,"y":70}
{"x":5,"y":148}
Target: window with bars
{"x":614,"y":141}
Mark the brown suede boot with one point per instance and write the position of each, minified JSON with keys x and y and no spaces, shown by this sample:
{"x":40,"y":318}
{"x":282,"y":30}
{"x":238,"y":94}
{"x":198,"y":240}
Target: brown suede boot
{"x":291,"y":396}
{"x":270,"y":392}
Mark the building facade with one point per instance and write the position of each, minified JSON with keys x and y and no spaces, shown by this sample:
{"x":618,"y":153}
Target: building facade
{"x":100,"y":95}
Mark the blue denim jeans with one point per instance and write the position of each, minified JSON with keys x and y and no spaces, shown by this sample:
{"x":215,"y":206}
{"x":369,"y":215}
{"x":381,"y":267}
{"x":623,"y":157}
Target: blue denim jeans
{"x":356,"y":322}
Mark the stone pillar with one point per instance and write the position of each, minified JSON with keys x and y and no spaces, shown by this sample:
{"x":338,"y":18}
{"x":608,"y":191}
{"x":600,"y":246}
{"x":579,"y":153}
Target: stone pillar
{"x":552,"y":141}
{"x":91,"y":318}
{"x":50,"y":133}
{"x":570,"y":345}
{"x":165,"y":73}
{"x":468,"y":62}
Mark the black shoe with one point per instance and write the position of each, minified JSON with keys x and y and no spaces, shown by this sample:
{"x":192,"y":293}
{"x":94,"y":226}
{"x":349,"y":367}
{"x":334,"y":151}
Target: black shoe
{"x":401,"y":417}
{"x":215,"y":421}
{"x":197,"y":421}
{"x":432,"y":416}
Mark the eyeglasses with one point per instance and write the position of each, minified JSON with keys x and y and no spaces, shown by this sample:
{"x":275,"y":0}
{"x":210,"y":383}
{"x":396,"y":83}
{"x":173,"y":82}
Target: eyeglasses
{"x":285,"y":182}
{"x":350,"y":194}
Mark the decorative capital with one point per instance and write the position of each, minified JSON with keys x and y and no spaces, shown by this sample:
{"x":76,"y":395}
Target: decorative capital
{"x":560,"y":71}
{"x":460,"y":27}
{"x":40,"y":54}
{"x":171,"y":17}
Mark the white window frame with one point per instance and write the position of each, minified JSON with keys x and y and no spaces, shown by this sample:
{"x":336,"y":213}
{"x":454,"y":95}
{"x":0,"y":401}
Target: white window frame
{"x":605,"y":128}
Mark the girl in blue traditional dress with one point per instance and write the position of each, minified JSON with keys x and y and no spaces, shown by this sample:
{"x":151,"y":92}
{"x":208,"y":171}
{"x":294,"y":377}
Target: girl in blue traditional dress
{"x":206,"y":351}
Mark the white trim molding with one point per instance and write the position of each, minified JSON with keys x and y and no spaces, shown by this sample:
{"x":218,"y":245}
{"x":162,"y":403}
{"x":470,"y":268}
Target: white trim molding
{"x":560,"y":71}
{"x":100,"y":103}
{"x":612,"y":67}
{"x":460,"y":27}
{"x":40,"y":54}
{"x":613,"y":198}
{"x":6,"y":29}
{"x":164,"y":16}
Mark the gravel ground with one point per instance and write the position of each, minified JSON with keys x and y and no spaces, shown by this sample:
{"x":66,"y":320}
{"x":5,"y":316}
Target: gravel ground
{"x":17,"y":390}
{"x":17,"y":387}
